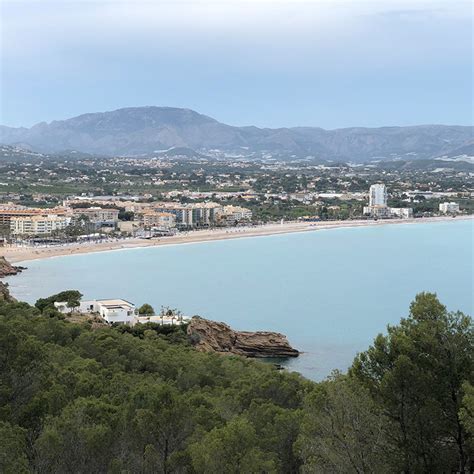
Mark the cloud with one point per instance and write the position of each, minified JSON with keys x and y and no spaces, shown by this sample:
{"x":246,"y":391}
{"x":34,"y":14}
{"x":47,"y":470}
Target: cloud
{"x":185,"y":50}
{"x":265,"y":31}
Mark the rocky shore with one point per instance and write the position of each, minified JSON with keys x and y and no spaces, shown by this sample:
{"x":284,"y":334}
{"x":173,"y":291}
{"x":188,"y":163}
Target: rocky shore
{"x":211,"y":336}
{"x":7,"y":269}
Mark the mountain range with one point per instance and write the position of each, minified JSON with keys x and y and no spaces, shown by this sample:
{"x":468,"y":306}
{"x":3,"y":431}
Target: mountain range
{"x":150,"y":130}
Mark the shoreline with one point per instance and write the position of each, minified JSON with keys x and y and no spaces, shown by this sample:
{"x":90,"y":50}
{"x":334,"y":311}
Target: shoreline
{"x":19,"y":254}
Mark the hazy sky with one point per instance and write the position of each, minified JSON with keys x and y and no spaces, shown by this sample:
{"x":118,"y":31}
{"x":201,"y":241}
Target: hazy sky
{"x":268,"y":63}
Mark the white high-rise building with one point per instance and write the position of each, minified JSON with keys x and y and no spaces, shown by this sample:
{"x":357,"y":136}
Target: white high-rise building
{"x":378,"y":208}
{"x":378,"y":195}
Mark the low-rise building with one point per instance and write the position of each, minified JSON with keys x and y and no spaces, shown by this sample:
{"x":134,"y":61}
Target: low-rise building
{"x":384,"y":212}
{"x":402,"y":212}
{"x":128,"y":226}
{"x":449,"y":207}
{"x":163,"y":320}
{"x":116,"y":311}
{"x":379,"y":212}
{"x":112,"y":311}
{"x":120,"y":311}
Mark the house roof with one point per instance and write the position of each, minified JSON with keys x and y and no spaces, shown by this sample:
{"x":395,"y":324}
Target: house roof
{"x":116,"y":303}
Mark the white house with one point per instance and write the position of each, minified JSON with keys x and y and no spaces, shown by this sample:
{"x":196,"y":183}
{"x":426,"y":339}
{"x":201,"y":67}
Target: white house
{"x":84,"y":307}
{"x":116,"y":311}
{"x":112,"y":311}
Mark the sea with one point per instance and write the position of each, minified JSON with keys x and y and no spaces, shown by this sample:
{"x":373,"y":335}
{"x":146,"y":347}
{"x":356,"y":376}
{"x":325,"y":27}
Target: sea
{"x":329,"y":291}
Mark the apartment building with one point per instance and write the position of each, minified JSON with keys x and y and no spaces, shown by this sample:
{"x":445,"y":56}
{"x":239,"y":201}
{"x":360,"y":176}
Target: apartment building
{"x":38,"y":224}
{"x":166,"y":220}
{"x":449,"y":207}
{"x":378,"y":208}
{"x":191,"y":215}
{"x":10,"y":211}
{"x":98,"y":215}
{"x":206,"y":213}
{"x":235,"y":214}
{"x":378,"y":195}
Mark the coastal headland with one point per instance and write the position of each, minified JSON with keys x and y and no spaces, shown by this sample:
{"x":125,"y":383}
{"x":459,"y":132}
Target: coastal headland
{"x":7,"y":269}
{"x":15,"y":254}
{"x":212,"y":336}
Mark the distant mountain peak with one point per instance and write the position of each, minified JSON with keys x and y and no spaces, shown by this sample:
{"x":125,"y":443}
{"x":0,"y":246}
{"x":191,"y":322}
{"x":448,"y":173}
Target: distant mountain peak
{"x":142,"y":130}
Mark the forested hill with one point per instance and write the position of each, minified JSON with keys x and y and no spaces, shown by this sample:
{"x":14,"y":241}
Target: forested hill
{"x":78,"y":399}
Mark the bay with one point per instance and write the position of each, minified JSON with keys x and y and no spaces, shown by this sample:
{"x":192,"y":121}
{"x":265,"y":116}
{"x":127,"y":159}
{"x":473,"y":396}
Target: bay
{"x":330,"y":291}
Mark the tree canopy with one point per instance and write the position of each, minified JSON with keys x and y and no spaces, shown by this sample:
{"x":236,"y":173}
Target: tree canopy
{"x":70,"y":297}
{"x":146,"y":309}
{"x":87,"y":399}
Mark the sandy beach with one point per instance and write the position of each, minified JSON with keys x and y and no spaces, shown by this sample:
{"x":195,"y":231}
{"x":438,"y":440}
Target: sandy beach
{"x":16,"y":254}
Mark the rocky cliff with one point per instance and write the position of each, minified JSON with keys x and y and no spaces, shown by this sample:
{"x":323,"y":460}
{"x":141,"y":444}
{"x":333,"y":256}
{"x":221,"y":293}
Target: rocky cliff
{"x":7,"y":269}
{"x":211,"y":336}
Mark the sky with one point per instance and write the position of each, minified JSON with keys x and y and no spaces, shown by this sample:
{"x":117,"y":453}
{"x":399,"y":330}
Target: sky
{"x":323,"y":63}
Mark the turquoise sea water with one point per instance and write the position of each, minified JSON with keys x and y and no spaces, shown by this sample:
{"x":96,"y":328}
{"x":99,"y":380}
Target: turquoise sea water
{"x":329,"y":291}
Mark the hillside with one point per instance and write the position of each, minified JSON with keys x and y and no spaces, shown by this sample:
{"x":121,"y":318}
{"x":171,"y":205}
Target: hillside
{"x":79,"y":398}
{"x":145,"y":130}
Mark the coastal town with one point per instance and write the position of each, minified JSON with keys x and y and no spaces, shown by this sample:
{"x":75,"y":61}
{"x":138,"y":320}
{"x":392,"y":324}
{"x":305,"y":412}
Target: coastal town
{"x":94,"y":217}
{"x":55,"y":205}
{"x":49,"y":200}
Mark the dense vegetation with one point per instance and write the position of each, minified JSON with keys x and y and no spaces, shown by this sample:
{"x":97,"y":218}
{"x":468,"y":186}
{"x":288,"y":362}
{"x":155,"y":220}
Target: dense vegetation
{"x":82,"y":399}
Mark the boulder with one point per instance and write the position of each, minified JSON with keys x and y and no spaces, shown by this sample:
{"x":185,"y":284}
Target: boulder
{"x":212,"y":336}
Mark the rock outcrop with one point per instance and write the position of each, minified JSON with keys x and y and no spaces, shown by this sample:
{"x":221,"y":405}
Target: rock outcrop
{"x":7,"y":269}
{"x":211,"y":336}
